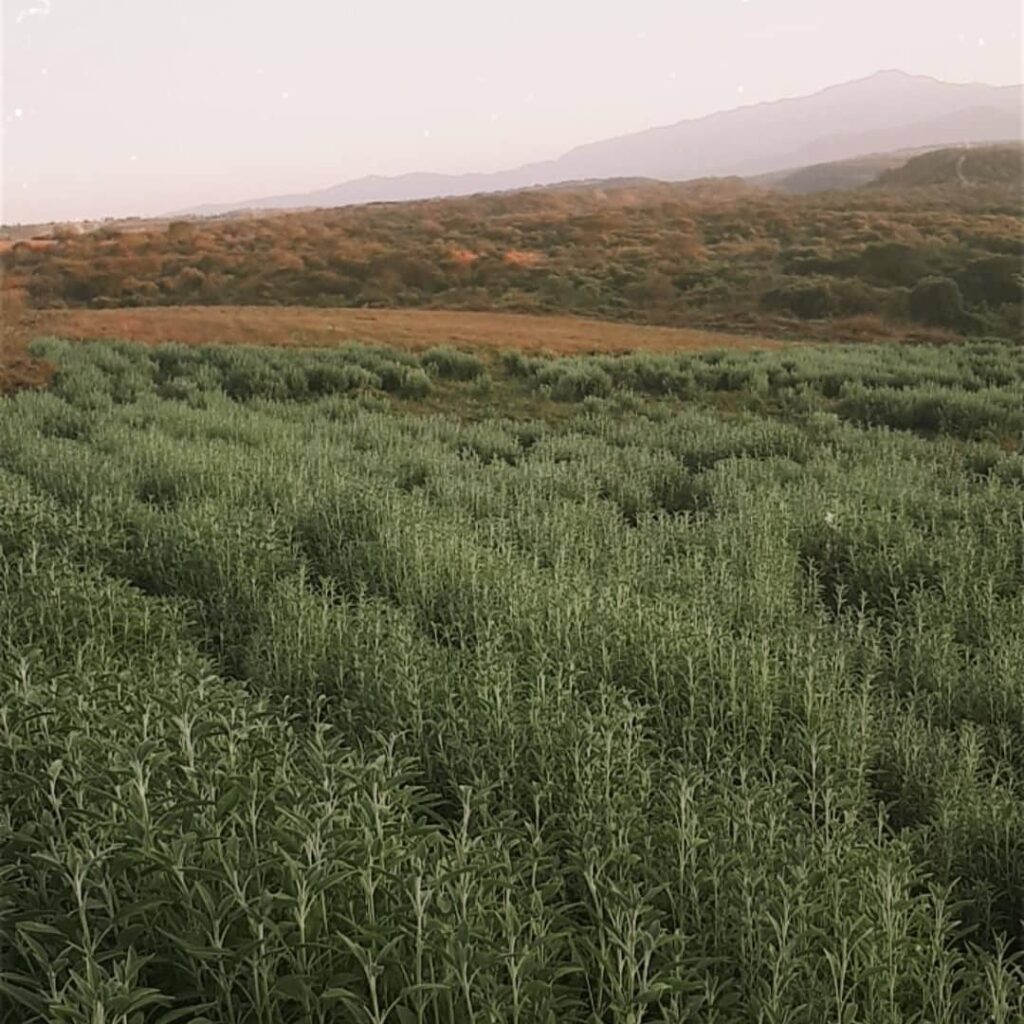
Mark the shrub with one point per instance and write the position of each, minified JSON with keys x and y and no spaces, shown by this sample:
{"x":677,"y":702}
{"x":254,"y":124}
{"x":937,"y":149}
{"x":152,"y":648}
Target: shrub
{"x":247,"y":381}
{"x":852,"y":297}
{"x":893,"y":263}
{"x":451,"y":364}
{"x":934,"y":410}
{"x":993,"y":279}
{"x":413,"y":383}
{"x":937,"y":301}
{"x":572,"y":381}
{"x":652,"y":375}
{"x":808,"y":299}
{"x":516,"y":364}
{"x":339,"y":378}
{"x":84,"y":386}
{"x":811,"y":262}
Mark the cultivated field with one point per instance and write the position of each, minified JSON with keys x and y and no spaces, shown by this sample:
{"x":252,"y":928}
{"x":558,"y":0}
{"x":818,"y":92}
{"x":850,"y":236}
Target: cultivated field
{"x":362,"y":684}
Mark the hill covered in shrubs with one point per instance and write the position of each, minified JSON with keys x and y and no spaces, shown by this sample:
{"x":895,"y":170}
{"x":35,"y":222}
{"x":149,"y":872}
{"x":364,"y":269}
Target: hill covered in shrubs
{"x":888,"y":258}
{"x":964,"y":166}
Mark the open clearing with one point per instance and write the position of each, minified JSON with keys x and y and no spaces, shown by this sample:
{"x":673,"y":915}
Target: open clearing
{"x":405,"y":328}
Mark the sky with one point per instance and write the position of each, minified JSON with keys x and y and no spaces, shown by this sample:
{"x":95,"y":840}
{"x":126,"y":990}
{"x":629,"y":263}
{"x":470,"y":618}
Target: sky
{"x":140,"y":107}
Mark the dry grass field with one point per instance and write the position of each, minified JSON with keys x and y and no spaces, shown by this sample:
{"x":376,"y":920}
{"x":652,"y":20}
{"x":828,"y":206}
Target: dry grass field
{"x":404,"y":328}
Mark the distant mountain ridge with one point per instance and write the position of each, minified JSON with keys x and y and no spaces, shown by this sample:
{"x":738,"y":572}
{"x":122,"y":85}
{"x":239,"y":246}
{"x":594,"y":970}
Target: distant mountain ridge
{"x":890,"y":110}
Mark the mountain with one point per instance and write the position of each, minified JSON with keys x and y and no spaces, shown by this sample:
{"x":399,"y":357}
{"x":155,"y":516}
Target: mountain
{"x":971,"y":124}
{"x":886,"y":111}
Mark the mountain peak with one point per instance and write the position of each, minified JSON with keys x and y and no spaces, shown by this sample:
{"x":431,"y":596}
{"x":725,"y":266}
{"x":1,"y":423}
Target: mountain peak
{"x":888,"y":110}
{"x":889,"y":78}
{"x":893,"y":74}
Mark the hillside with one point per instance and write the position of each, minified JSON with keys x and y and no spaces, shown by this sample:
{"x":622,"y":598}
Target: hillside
{"x":708,"y":254}
{"x":886,"y":111}
{"x":962,"y":167}
{"x":836,"y":175}
{"x":993,"y":163}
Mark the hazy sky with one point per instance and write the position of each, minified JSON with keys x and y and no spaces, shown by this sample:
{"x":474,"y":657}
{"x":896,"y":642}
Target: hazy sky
{"x":119,"y":107}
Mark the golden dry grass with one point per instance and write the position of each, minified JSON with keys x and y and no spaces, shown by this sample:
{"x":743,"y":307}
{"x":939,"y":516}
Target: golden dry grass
{"x":19,"y":371}
{"x":404,"y":328}
{"x":17,"y":368}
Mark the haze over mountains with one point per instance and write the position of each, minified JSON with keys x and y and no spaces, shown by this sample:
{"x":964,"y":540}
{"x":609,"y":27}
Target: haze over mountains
{"x":890,"y":110}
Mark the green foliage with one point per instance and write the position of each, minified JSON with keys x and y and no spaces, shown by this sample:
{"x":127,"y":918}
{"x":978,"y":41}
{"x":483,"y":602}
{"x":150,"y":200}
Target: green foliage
{"x":964,"y":167}
{"x":893,"y":263}
{"x":993,"y":279}
{"x":699,"y":701}
{"x":650,"y":374}
{"x":573,"y":380}
{"x":704,"y":254}
{"x":451,"y":364}
{"x":937,"y":300}
{"x":967,"y":414}
{"x":808,"y":299}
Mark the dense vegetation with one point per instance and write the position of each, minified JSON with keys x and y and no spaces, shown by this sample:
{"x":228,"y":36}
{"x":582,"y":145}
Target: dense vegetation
{"x":318,"y":705}
{"x":967,"y":167}
{"x":707,"y":254}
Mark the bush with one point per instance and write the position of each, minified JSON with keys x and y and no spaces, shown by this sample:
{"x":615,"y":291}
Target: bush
{"x":413,"y":383}
{"x":810,"y":300}
{"x":893,"y":263}
{"x":969,"y":415}
{"x":853,"y":297}
{"x":652,"y":375}
{"x":253,"y":380}
{"x":937,"y":301}
{"x":451,"y":364}
{"x":805,"y":262}
{"x":85,"y":386}
{"x":340,"y":378}
{"x":994,"y":280}
{"x":572,"y":381}
{"x":516,"y":364}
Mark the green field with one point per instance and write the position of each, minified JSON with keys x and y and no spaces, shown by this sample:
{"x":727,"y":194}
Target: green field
{"x":357,"y":685}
